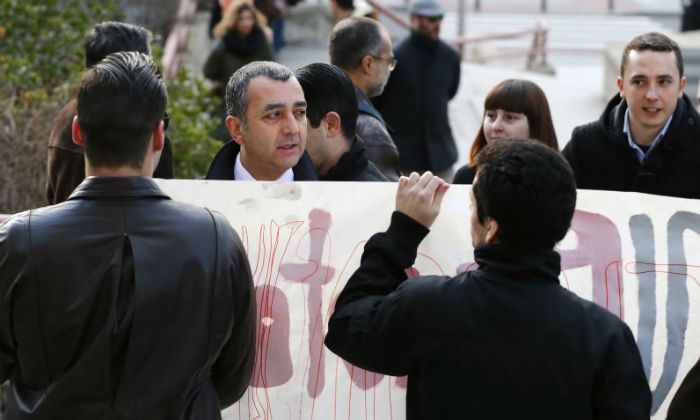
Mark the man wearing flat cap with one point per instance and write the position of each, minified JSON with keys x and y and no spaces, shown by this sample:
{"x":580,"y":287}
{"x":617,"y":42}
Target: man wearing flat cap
{"x":414,"y":102}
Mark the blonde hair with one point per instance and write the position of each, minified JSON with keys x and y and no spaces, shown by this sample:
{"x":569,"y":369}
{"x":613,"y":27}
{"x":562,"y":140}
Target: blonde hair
{"x":232,"y":14}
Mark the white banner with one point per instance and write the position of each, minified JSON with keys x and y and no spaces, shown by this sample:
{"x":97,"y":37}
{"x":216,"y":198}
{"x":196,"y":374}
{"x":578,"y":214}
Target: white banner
{"x":635,"y":254}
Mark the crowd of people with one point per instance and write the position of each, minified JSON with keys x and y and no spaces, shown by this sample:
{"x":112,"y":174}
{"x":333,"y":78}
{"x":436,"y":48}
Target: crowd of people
{"x":118,"y":302}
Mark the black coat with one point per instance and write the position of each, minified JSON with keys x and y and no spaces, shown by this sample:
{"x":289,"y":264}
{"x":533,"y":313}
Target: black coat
{"x":686,"y":403}
{"x":123,"y":304}
{"x":225,"y":160}
{"x":505,"y":341}
{"x":600,"y":155}
{"x":414,"y":103}
{"x":354,"y":166}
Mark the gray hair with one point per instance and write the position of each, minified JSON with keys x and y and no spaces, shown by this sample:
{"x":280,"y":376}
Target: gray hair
{"x":237,"y":87}
{"x":352,"y":39}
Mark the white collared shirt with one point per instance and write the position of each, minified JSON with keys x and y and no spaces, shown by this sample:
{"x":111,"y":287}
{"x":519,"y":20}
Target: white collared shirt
{"x":241,"y":174}
{"x":638,"y":150}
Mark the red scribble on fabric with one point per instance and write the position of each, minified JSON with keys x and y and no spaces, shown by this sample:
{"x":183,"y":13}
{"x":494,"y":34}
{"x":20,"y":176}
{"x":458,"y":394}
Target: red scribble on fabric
{"x":273,"y":328}
{"x":600,"y":247}
{"x":667,"y":271}
{"x":315,"y":275}
{"x":270,"y":335}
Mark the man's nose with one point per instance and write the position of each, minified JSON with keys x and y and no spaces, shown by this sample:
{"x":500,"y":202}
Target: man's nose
{"x":652,"y":92}
{"x":290,"y":125}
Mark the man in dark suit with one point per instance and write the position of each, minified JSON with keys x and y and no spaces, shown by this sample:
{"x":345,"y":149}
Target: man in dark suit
{"x":266,"y":117}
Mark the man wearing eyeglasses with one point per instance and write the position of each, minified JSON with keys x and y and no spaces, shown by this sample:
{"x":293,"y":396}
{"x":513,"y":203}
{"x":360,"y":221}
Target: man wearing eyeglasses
{"x":414,"y":102}
{"x":362,"y":48}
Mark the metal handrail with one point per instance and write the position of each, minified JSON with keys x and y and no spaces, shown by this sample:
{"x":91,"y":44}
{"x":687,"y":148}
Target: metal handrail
{"x":538,"y":33}
{"x":176,"y":43}
{"x":543,"y":6}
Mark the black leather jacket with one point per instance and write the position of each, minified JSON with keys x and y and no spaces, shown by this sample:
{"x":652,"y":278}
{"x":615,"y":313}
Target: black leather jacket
{"x":123,"y":304}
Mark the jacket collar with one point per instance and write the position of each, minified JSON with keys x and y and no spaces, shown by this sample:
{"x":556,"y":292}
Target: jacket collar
{"x":351,"y":164}
{"x":224,"y":161}
{"x":117,"y":188}
{"x":685,"y":118}
{"x":365,"y":106}
{"x":539,"y":266}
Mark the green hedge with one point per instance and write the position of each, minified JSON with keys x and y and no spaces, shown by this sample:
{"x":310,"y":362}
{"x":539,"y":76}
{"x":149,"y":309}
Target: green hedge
{"x":41,"y":60}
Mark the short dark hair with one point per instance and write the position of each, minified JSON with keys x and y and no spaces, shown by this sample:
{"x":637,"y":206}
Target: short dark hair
{"x":524,"y":97}
{"x":109,"y":37}
{"x":237,"y":87}
{"x":120,"y":101}
{"x":652,"y":41}
{"x":352,"y":39}
{"x":528,"y":189}
{"x":345,"y":4}
{"x":327,"y":88}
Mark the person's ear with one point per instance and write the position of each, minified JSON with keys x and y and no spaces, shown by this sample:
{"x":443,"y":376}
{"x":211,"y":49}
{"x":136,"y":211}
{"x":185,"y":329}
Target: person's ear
{"x":366,"y":64}
{"x":682,"y":86}
{"x":332,"y":123}
{"x":158,"y":137}
{"x":75,"y":131}
{"x":620,"y":87}
{"x":492,"y":229}
{"x":234,"y":125}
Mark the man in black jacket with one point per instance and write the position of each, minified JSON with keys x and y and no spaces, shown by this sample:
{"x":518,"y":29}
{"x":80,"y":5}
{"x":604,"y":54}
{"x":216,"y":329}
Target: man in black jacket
{"x":648,"y":138}
{"x":120,"y":303}
{"x":414,"y":102}
{"x":266,"y":117}
{"x":336,"y":151}
{"x":506,"y":340}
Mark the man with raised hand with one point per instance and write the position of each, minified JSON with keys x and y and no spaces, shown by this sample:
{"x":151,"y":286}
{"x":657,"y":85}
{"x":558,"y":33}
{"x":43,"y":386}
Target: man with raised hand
{"x":506,"y":340}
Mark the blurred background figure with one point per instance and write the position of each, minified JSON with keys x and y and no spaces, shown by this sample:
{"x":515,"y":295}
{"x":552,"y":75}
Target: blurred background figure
{"x":514,"y":108}
{"x":274,"y":11}
{"x":414,"y":102}
{"x":342,"y":9}
{"x":690,"y":20}
{"x":242,"y":36}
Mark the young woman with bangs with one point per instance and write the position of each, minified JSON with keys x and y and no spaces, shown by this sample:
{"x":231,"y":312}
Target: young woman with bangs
{"x":514,"y":108}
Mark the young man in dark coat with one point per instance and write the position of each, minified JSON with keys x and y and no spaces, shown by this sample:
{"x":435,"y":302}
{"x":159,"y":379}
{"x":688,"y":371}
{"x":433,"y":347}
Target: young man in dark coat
{"x":506,"y":340}
{"x":414,"y":102}
{"x":120,"y":303}
{"x":648,"y":138}
{"x":362,"y":48}
{"x":266,"y":117}
{"x":336,"y":151}
{"x":65,"y":159}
